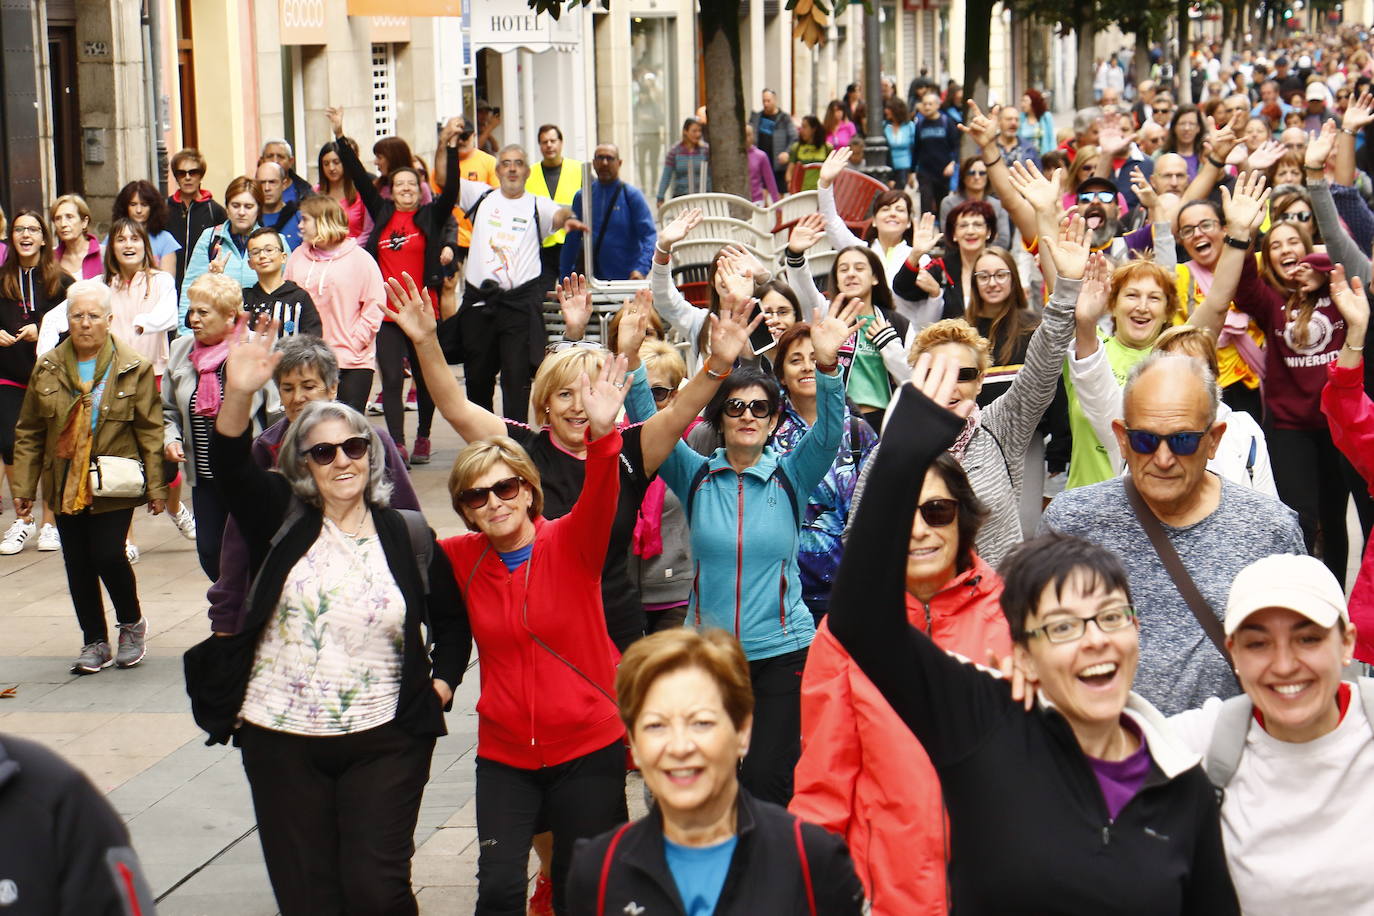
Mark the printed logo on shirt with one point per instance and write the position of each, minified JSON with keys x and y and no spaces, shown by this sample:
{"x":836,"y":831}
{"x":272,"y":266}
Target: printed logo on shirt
{"x":9,"y":892}
{"x":1319,"y":333}
{"x":397,"y":239}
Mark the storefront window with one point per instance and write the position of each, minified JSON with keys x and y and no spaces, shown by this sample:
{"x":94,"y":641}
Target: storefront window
{"x":653,"y":96}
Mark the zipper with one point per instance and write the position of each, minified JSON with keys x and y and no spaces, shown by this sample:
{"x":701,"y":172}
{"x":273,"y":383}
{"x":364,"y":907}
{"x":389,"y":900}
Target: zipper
{"x":782,"y":595}
{"x":739,"y":547}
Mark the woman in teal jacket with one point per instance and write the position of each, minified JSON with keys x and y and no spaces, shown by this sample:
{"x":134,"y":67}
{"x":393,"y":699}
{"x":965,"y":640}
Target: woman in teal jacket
{"x":744,"y":506}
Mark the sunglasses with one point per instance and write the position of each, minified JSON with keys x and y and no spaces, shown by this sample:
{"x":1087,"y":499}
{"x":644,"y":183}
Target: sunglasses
{"x":476,"y":497}
{"x":1181,"y":444}
{"x":661,"y":393}
{"x":968,"y":374}
{"x":939,"y":512}
{"x":323,"y":453}
{"x":1297,"y":216}
{"x":187,"y":173}
{"x":977,"y":173}
{"x":1101,"y":197}
{"x":734,"y":407}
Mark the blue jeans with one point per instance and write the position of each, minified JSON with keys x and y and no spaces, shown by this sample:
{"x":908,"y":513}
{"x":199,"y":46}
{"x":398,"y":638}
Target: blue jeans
{"x":210,"y":518}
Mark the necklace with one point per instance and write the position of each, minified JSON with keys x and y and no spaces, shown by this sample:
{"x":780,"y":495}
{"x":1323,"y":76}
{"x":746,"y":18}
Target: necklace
{"x":357,"y":529}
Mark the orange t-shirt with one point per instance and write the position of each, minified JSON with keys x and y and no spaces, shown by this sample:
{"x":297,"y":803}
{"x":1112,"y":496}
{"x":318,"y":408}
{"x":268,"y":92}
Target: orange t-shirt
{"x":475,"y":166}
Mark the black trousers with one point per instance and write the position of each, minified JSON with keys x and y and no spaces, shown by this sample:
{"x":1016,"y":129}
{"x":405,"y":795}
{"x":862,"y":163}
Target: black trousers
{"x":336,"y":817}
{"x":393,"y":348}
{"x":496,"y":338}
{"x":775,"y":745}
{"x":211,"y":514}
{"x":580,"y":798}
{"x":93,"y":552}
{"x":1307,"y":472}
{"x":933,"y":189}
{"x":1239,"y":397}
{"x":354,"y":387}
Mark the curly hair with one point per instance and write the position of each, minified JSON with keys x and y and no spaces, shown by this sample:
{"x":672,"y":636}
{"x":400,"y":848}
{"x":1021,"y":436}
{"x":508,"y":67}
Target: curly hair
{"x":951,"y":330}
{"x":1142,"y":269}
{"x":152,"y":199}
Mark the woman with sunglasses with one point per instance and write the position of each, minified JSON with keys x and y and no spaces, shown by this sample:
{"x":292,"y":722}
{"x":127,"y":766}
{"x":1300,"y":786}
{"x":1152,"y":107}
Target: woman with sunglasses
{"x":745,"y":506}
{"x":1085,"y":802}
{"x":331,"y":695}
{"x":973,"y":185}
{"x":191,"y":209}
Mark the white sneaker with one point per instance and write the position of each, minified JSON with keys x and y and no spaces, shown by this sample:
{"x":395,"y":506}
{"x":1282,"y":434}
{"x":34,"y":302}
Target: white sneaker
{"x":185,"y":522}
{"x":131,"y":552}
{"x":17,"y":535}
{"x":48,"y":539}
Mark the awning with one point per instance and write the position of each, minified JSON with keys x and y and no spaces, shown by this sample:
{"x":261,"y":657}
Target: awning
{"x":389,"y":8}
{"x":503,"y":25}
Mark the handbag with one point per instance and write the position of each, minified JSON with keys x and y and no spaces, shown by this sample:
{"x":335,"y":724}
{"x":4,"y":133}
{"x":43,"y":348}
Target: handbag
{"x":117,"y":478}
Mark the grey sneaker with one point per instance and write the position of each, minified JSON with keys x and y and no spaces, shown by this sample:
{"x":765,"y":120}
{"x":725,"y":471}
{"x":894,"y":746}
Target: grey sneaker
{"x":132,"y":640}
{"x":92,"y":658}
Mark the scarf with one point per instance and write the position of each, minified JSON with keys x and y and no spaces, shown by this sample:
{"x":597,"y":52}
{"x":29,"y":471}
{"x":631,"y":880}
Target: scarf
{"x":966,"y":434}
{"x":1235,"y":328}
{"x":76,"y":438}
{"x":648,"y":534}
{"x":207,"y":360}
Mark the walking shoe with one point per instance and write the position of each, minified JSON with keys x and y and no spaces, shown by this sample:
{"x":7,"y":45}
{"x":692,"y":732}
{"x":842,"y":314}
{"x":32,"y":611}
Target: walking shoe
{"x":131,"y":552}
{"x":375,"y":408}
{"x":185,"y":522}
{"x":17,"y":535}
{"x":412,"y":400}
{"x":48,"y":539}
{"x":541,"y":901}
{"x":92,"y":658}
{"x":132,"y":639}
{"x":421,"y":453}
{"x":405,"y":455}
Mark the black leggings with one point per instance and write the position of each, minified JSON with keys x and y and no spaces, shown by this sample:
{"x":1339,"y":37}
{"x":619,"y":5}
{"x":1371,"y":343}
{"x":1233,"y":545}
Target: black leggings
{"x":336,"y":816}
{"x":211,"y":515}
{"x":11,"y":400}
{"x":354,"y":387}
{"x":496,"y":338}
{"x":579,"y":798}
{"x":393,"y":348}
{"x":93,"y":552}
{"x":775,"y":745}
{"x":1307,"y":472}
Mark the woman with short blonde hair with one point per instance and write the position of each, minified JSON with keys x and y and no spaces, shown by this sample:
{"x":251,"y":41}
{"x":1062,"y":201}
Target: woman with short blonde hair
{"x":78,"y":250}
{"x":480,"y":457}
{"x":330,"y":222}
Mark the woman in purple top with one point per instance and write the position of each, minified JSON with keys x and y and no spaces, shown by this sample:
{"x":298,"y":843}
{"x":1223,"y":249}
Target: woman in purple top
{"x":763,"y":187}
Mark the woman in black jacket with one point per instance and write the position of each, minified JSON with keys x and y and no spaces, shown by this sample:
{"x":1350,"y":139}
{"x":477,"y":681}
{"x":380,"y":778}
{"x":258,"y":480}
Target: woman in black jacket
{"x":190,"y":208}
{"x":408,"y":236}
{"x":706,"y":846}
{"x":1084,"y":804}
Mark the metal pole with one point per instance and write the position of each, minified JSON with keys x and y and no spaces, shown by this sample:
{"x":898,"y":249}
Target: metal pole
{"x":875,"y":144}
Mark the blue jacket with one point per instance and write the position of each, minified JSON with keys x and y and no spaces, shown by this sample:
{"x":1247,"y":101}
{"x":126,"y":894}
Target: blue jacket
{"x":630,"y":233}
{"x":236,"y":267}
{"x":901,"y":142}
{"x":745,"y":536}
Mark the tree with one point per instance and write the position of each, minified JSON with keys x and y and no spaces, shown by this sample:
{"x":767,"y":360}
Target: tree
{"x":1079,"y":17}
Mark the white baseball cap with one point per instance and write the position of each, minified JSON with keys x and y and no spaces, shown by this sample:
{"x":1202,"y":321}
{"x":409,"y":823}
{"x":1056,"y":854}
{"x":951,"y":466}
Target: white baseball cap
{"x":1299,"y":583}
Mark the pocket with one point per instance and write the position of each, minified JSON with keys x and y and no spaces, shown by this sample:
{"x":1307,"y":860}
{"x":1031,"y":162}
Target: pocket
{"x":118,"y":405}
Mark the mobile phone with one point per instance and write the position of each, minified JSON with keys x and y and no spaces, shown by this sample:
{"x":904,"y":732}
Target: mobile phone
{"x":760,"y":339}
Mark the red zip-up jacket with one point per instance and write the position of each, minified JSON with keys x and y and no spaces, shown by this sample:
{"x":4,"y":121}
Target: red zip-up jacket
{"x":538,"y":709}
{"x":1350,"y":414}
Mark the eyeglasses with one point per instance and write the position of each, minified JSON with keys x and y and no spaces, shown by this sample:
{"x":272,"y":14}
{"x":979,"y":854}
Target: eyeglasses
{"x":1295,"y":216}
{"x":995,"y":276}
{"x":87,"y":318}
{"x":603,"y":159}
{"x":476,"y":497}
{"x":968,"y":374}
{"x":1205,"y":226}
{"x":187,"y":173}
{"x":661,"y":393}
{"x":784,"y":312}
{"x":323,"y":453}
{"x":1067,"y":629}
{"x":26,"y":230}
{"x":1101,"y":197}
{"x":1147,"y":443}
{"x":939,"y":512}
{"x":977,"y":173}
{"x":265,"y":249}
{"x":734,"y":407}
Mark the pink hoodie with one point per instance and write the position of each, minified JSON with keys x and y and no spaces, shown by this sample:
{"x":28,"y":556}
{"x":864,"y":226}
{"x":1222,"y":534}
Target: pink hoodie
{"x":348,"y":292}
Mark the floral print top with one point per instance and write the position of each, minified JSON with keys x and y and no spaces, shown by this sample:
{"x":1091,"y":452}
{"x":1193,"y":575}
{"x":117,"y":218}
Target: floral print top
{"x":329,"y":662}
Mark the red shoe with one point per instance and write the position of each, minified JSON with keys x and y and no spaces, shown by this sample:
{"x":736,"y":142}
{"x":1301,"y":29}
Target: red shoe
{"x":421,"y":453}
{"x":541,"y":902}
{"x":405,"y":456}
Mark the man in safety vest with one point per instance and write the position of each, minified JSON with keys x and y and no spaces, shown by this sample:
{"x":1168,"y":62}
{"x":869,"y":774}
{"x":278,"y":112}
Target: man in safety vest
{"x":558,"y":179}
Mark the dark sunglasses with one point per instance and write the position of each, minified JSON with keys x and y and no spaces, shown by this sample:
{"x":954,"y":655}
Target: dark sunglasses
{"x":323,"y":453}
{"x":1147,"y":443}
{"x":968,"y":374}
{"x":476,"y":497}
{"x":760,"y":408}
{"x":1101,"y":197}
{"x":939,"y":512}
{"x":1297,"y":216}
{"x":188,"y":173}
{"x":660,"y":393}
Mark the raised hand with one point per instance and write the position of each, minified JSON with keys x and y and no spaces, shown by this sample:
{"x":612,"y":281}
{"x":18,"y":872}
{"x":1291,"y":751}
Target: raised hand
{"x":1360,"y":112}
{"x":807,"y":231}
{"x":746,"y":262}
{"x":1111,"y":140}
{"x":1350,"y":299}
{"x":936,"y":375}
{"x":1245,"y":206}
{"x":1260,"y":160}
{"x":982,"y":128}
{"x":1070,"y":251}
{"x":832,"y":167}
{"x":1320,"y":147}
{"x":1144,"y":191}
{"x":574,"y":304}
{"x":1223,"y":138}
{"x":739,"y":284}
{"x":602,"y":399}
{"x":925,"y":235}
{"x":829,"y":333}
{"x":1040,"y":192}
{"x":677,"y":230}
{"x":411,"y":308}
{"x":1095,"y":293}
{"x":634,"y":325}
{"x":335,"y":115}
{"x":251,"y":359}
{"x":729,"y":336}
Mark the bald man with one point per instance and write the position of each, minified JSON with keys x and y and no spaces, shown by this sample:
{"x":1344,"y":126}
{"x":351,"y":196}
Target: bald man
{"x":622,"y":226}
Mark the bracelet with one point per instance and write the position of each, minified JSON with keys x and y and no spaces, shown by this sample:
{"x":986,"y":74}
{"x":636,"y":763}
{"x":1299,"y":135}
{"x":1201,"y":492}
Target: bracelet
{"x":1359,"y":349}
{"x":1242,"y":244}
{"x":1313,"y":168}
{"x":1217,"y":164}
{"x":1346,"y":130}
{"x":828,"y":370}
{"x":717,"y":375}
{"x":660,"y":249}
{"x":993,"y":162}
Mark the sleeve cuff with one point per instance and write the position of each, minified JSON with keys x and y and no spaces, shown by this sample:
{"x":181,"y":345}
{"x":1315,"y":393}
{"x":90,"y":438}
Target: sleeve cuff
{"x":608,"y":444}
{"x":1346,"y":376}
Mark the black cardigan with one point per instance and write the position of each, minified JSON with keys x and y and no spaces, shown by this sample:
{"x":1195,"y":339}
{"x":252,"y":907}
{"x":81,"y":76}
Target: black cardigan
{"x":1029,"y":826}
{"x":430,"y":219}
{"x":947,"y":271}
{"x":765,"y":875}
{"x":258,"y":500}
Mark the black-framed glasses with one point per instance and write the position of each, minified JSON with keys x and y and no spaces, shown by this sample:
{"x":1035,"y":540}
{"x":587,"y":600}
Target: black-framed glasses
{"x":265,"y":249}
{"x":506,"y":488}
{"x":1068,"y":629}
{"x":734,"y":407}
{"x":1296,"y":216}
{"x":1100,"y":197}
{"x":661,"y":393}
{"x":997,"y":276}
{"x":968,"y":374}
{"x":1206,"y":225}
{"x":187,"y":173}
{"x":26,"y":230}
{"x":323,"y":453}
{"x":939,"y":512}
{"x":1147,"y":443}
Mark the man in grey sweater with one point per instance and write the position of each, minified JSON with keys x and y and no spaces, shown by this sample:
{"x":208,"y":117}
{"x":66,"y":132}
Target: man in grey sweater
{"x":1168,"y":432}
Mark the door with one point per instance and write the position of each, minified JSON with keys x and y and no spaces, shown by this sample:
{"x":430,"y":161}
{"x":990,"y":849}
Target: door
{"x":66,"y":110}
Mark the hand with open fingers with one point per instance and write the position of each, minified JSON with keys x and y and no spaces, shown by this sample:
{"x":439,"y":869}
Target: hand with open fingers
{"x":747,"y":262}
{"x":925,"y":235}
{"x":1360,"y":113}
{"x":335,"y":115}
{"x":251,"y":359}
{"x":876,"y":326}
{"x":1246,"y":205}
{"x":634,"y":323}
{"x":729,"y":334}
{"x":807,"y":231}
{"x":829,"y":333}
{"x":1144,"y":191}
{"x":1070,"y":251}
{"x":739,"y":285}
{"x":1111,"y":140}
{"x":677,"y":230}
{"x":1040,"y":192}
{"x":1095,"y":293}
{"x":574,"y":304}
{"x":1349,"y":298}
{"x":982,"y":128}
{"x":1320,"y":147}
{"x":936,"y":375}
{"x":926,"y":283}
{"x":1022,"y":687}
{"x":832,"y":167}
{"x":1223,"y":138}
{"x":1269,"y":152}
{"x":411,"y":307}
{"x":603,"y":398}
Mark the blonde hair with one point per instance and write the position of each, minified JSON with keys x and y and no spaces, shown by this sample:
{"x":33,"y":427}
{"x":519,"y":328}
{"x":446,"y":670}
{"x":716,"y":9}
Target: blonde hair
{"x":714,"y":652}
{"x":560,"y":371}
{"x":221,"y":293}
{"x":83,"y":210}
{"x":1190,"y":340}
{"x":483,"y":455}
{"x":331,"y":223}
{"x":951,"y":330}
{"x":664,"y":356}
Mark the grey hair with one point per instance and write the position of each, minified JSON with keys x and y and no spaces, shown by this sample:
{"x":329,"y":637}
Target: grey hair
{"x":305,"y":351}
{"x":1200,"y":370}
{"x":93,"y":287}
{"x":278,"y":141}
{"x":510,"y":146}
{"x":1085,"y":118}
{"x":292,"y":464}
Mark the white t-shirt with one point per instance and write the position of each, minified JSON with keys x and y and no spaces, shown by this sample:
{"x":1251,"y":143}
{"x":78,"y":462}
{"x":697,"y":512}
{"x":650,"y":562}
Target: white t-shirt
{"x":506,"y":235}
{"x":1296,"y":817}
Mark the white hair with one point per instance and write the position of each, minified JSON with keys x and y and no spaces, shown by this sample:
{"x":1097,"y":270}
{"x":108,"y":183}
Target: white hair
{"x":92,"y":287}
{"x":278,"y":141}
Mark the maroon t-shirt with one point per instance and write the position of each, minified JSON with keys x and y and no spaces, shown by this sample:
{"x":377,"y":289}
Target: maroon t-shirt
{"x":401,"y":248}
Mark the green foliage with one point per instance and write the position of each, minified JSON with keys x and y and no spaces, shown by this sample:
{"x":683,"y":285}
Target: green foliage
{"x":555,"y":7}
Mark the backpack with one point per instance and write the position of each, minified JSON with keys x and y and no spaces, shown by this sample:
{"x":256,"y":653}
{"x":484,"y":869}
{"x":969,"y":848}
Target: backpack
{"x":704,"y":471}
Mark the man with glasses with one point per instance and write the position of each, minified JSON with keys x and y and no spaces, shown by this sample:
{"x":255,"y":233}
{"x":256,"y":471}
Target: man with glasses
{"x":276,"y":212}
{"x":622,"y":225}
{"x":274,"y":296}
{"x":1162,"y":111}
{"x":191,"y":209}
{"x":1166,"y":434}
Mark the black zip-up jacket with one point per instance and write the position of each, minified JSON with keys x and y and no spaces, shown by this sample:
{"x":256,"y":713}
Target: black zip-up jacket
{"x":431,"y":218}
{"x":218,"y":670}
{"x":1030,"y":832}
{"x":287,"y":302}
{"x":765,"y":875}
{"x":63,"y":849}
{"x":947,"y":271}
{"x":186,"y":221}
{"x":18,"y":359}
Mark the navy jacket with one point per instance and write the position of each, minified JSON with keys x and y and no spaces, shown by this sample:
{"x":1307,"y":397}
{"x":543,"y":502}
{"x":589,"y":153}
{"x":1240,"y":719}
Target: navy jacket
{"x":937,"y":143}
{"x":630,"y":234}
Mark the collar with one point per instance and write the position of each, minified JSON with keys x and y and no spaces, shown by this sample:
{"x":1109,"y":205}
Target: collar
{"x":642,"y":846}
{"x":1169,"y":754}
{"x":203,"y":196}
{"x":761,"y":469}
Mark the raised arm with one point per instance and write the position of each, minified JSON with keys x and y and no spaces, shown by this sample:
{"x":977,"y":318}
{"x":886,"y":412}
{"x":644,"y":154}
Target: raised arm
{"x":1211,"y":168}
{"x":1339,"y":244}
{"x":982,"y":129}
{"x":589,"y":522}
{"x":835,"y":229}
{"x":668,"y":301}
{"x":372,"y":198}
{"x":1359,"y":114}
{"x":1043,"y":195}
{"x":807,"y":463}
{"x":1244,"y":210}
{"x":806,"y":233}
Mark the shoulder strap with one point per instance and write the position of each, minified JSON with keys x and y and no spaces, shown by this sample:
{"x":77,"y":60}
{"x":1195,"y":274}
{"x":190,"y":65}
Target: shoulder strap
{"x":420,"y":542}
{"x":854,"y":440}
{"x":605,"y":222}
{"x":1250,"y":460}
{"x":1228,"y":740}
{"x":606,"y":868}
{"x":1206,"y":618}
{"x":805,"y":866}
{"x":697,"y":479}
{"x":473,"y":211}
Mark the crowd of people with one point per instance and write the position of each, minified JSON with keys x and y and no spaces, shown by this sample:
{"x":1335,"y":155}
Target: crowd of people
{"x":1002,"y":568}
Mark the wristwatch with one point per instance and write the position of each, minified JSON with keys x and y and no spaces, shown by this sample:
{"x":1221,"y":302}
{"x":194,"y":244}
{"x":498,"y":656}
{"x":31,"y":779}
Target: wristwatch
{"x":1242,"y":244}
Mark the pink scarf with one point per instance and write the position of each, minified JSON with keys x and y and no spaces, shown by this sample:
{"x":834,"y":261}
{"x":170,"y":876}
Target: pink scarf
{"x":648,"y":536}
{"x":207,"y":361}
{"x":1235,"y":327}
{"x":966,"y":434}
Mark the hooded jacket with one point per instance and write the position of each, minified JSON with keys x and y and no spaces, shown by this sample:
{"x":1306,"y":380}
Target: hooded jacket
{"x":862,"y":773}
{"x":1350,"y":414}
{"x":289,"y":304}
{"x":220,"y":238}
{"x":187,"y":219}
{"x":346,"y":287}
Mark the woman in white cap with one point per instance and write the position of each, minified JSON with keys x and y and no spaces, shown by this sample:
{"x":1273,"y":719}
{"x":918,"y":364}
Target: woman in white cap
{"x":1294,"y":756}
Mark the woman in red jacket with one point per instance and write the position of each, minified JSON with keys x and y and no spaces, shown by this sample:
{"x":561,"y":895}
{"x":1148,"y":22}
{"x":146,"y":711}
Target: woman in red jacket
{"x":550,"y":743}
{"x":862,"y":773}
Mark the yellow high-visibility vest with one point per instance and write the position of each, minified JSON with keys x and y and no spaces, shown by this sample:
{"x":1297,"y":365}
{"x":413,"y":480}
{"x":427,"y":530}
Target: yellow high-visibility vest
{"x":569,"y":183}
